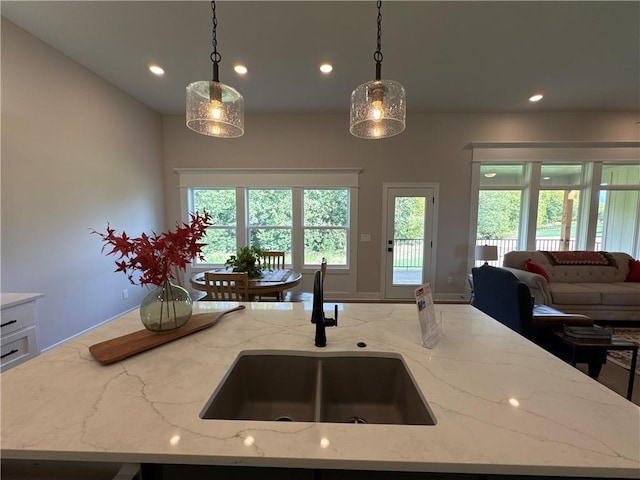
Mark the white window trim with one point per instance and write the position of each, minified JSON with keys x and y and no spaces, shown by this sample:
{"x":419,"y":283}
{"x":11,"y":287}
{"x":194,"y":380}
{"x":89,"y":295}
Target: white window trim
{"x":267,"y":177}
{"x":548,"y":152}
{"x":590,"y":154}
{"x":280,"y":177}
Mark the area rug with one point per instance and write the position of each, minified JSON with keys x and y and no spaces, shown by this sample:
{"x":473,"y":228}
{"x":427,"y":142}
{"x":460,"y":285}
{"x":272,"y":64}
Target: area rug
{"x":623,"y":357}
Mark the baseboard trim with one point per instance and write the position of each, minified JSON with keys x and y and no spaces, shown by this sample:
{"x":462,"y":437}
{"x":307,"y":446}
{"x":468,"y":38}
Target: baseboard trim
{"x":362,"y":297}
{"x":61,"y":342}
{"x":451,"y":298}
{"x":375,"y":297}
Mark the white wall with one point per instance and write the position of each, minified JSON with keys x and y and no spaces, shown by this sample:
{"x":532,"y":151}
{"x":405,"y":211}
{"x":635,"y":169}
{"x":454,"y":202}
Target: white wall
{"x":76,"y":153}
{"x":432,"y":149}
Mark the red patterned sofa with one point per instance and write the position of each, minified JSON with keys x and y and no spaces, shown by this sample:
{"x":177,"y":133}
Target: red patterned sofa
{"x":595,"y":284}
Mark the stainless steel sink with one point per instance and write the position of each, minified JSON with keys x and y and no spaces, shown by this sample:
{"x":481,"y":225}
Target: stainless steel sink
{"x":319,"y":387}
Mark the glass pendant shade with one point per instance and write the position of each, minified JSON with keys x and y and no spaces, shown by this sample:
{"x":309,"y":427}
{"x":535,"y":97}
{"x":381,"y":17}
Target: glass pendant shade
{"x":378,"y":109}
{"x":215,"y":109}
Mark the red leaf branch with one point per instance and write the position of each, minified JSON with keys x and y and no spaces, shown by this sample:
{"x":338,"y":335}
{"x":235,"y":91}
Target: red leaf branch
{"x":155,"y":256}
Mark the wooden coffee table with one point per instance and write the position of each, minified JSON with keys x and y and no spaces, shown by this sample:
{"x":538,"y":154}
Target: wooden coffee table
{"x":598,"y":345}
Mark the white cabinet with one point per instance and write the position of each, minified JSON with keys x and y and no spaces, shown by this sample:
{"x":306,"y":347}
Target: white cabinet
{"x":18,"y":329}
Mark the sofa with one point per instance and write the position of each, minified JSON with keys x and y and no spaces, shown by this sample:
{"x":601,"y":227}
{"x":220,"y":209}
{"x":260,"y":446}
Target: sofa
{"x":601,"y":285}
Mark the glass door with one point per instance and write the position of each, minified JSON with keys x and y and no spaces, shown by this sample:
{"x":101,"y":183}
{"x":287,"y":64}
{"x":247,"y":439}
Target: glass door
{"x":408,"y":243}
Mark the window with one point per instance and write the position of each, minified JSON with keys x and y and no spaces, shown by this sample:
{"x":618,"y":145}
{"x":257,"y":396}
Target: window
{"x":307,"y":213}
{"x":269,"y":222}
{"x":499,"y":207}
{"x":325,"y":226}
{"x":558,"y":207}
{"x":546,"y":206}
{"x":505,"y":203}
{"x":270,"y":219}
{"x":618,"y":207}
{"x":221,"y":237}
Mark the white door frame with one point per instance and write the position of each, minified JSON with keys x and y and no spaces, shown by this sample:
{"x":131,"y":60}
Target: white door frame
{"x":431,"y":273}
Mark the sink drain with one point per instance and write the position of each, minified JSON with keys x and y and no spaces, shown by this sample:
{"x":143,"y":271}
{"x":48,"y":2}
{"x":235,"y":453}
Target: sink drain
{"x":356,"y":420}
{"x":283,"y":418}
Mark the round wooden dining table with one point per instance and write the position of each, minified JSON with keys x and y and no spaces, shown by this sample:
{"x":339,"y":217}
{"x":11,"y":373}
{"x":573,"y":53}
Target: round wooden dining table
{"x":272,"y":281}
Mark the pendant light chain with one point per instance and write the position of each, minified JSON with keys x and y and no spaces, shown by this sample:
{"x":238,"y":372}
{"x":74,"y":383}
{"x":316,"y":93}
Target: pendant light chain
{"x":377,"y":56}
{"x":215,"y":56}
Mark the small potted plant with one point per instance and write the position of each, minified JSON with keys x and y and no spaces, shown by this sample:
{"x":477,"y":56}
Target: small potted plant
{"x":247,"y":259}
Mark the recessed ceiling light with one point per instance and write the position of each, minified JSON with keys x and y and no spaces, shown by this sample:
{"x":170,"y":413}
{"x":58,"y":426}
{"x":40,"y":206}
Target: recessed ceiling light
{"x":490,"y":175}
{"x":536,"y":98}
{"x":240,"y":69}
{"x":326,"y":67}
{"x":156,"y":69}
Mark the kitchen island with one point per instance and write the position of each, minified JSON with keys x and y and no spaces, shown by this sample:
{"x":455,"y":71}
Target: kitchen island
{"x":502,"y":404}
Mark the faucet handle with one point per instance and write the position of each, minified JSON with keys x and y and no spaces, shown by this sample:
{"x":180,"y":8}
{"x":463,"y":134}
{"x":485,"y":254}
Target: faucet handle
{"x":332,"y":322}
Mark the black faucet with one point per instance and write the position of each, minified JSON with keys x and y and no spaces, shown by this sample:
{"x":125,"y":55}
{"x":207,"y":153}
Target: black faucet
{"x":317,"y":313}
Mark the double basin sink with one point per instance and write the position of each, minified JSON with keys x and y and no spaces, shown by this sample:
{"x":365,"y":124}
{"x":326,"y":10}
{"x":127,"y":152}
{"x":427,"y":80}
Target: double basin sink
{"x":319,"y":387}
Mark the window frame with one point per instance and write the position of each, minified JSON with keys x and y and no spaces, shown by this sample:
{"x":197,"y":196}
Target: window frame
{"x":246,"y":239}
{"x":591,"y":155}
{"x":297,"y":180}
{"x":622,"y":187}
{"x":346,"y":228}
{"x":234,"y":227}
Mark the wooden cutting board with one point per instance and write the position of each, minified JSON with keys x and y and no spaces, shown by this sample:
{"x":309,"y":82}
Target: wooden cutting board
{"x":119,"y":348}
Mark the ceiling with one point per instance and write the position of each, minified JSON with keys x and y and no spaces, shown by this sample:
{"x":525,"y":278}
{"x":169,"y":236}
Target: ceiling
{"x":451,"y":56}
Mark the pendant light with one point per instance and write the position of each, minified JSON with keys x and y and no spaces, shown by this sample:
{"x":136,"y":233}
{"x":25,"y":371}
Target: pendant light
{"x":378,"y":107}
{"x":213,"y":108}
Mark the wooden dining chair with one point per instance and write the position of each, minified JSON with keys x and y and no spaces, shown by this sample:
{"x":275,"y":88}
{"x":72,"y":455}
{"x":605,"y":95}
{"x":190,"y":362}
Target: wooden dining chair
{"x":273,"y":261}
{"x":226,"y":286}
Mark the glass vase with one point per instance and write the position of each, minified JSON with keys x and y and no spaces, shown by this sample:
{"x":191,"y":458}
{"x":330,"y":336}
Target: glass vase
{"x":166,"y":308}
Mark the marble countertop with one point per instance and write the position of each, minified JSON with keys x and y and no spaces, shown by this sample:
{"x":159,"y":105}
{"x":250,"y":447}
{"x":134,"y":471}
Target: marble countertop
{"x":502,"y":404}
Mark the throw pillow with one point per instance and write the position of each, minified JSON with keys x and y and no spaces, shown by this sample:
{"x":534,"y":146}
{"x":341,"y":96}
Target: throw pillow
{"x":533,"y":267}
{"x":634,"y":271}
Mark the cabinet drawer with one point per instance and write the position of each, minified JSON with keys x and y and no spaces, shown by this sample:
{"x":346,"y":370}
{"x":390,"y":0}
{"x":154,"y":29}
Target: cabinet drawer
{"x":15,"y":318}
{"x":18,"y":347}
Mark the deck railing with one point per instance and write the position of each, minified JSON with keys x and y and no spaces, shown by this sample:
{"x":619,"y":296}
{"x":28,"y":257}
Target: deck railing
{"x":510,"y":244}
{"x":408,"y":251}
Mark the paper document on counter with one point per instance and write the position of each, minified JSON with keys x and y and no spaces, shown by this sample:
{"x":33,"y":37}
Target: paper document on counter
{"x":431,"y":326}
